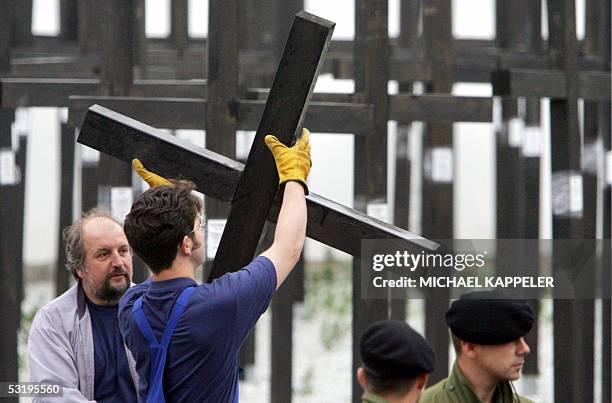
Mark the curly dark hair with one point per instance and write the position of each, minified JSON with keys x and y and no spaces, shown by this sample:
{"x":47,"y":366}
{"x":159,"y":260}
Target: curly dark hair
{"x":158,"y":221}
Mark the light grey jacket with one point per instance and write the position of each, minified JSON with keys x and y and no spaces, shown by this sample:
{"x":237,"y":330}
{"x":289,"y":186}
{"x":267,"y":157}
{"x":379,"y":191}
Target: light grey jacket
{"x":61,"y":348}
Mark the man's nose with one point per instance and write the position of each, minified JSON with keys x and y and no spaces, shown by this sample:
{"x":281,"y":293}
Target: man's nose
{"x":117,"y":259}
{"x":523,"y":347}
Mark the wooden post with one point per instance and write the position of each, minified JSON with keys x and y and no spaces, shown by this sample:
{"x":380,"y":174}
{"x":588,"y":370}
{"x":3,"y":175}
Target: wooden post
{"x":222,"y":88}
{"x":117,"y":77}
{"x":401,"y":206}
{"x":508,"y":190}
{"x":22,"y":22}
{"x":590,"y":191}
{"x":69,"y":20}
{"x":179,"y":26}
{"x":89,"y":27}
{"x":410,"y":16}
{"x":437,"y":212}
{"x":11,"y":237}
{"x":5,"y":36}
{"x":371,"y":58}
{"x":530,"y":177}
{"x":606,"y":261}
{"x":597,"y":43}
{"x":62,"y":276}
{"x":571,"y":333}
{"x":139,"y":44}
{"x":513,"y":35}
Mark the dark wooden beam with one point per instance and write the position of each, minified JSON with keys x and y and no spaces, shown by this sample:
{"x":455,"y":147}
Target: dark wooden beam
{"x":516,"y":32}
{"x":597,"y":42}
{"x":406,"y":107}
{"x":283,"y":115}
{"x":57,"y":66}
{"x":167,"y":113}
{"x":179,"y":25}
{"x":121,"y":24}
{"x":440,"y":108}
{"x":437,"y":188}
{"x":16,"y":92}
{"x":410,"y":16}
{"x":371,"y":59}
{"x":591,"y":85}
{"x":217,"y":176}
{"x":5,"y":37}
{"x":66,"y":211}
{"x":11,"y":245}
{"x":69,"y":20}
{"x":186,"y":113}
{"x":320,"y":117}
{"x":570,"y":331}
{"x":89,"y":25}
{"x":22,"y":22}
{"x":139,"y":37}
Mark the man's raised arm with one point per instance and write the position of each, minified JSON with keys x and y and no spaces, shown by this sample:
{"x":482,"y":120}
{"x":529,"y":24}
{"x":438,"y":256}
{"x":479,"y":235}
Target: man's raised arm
{"x":293,"y":165}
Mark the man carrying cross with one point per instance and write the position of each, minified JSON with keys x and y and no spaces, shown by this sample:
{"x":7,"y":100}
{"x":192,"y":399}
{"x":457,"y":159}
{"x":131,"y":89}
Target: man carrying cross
{"x":186,"y":338}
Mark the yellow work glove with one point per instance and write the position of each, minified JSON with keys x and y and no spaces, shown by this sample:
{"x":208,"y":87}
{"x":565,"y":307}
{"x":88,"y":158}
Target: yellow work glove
{"x":292,"y":163}
{"x":148,"y":176}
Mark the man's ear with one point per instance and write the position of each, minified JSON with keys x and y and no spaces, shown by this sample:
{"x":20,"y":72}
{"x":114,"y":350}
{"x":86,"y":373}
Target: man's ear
{"x":186,"y":245}
{"x":361,"y":378}
{"x":468,"y":349}
{"x":421,"y":381}
{"x":81,"y":272}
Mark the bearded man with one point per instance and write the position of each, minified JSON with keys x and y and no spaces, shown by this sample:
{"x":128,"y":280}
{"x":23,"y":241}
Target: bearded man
{"x":75,"y":340}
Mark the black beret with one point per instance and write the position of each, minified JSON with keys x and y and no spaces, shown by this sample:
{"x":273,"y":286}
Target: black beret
{"x":392,"y":349}
{"x":489,"y":317}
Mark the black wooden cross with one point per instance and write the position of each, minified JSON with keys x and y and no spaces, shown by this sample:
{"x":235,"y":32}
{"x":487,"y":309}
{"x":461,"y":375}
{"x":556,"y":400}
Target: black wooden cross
{"x":217,"y":176}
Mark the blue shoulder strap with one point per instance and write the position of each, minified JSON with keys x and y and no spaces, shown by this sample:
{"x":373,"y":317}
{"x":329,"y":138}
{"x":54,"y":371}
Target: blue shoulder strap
{"x":160,"y":350}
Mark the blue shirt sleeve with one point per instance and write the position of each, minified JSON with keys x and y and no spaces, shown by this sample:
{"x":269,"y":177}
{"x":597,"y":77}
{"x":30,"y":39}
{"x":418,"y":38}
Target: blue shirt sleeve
{"x":254,"y":286}
{"x":241,"y":297}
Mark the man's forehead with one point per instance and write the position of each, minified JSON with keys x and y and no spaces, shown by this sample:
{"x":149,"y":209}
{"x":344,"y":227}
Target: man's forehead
{"x":102,"y":232}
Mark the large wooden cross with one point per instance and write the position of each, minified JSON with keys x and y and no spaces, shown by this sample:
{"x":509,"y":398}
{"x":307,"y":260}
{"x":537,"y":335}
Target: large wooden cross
{"x":217,"y":176}
{"x":250,"y":188}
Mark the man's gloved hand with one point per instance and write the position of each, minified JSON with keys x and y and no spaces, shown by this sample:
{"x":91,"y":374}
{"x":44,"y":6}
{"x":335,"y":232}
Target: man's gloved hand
{"x":148,"y":176}
{"x":292,"y":164}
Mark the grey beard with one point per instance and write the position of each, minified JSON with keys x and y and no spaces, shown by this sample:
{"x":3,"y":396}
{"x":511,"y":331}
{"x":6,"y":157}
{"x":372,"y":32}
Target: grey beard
{"x":110,"y":293}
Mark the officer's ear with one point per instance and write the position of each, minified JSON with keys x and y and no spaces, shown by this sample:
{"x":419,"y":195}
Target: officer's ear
{"x":361,"y":378}
{"x":469,"y":349}
{"x":421,"y":381}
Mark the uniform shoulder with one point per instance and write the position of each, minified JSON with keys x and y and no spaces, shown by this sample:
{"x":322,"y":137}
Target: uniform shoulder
{"x":523,"y":399}
{"x":434,"y":393}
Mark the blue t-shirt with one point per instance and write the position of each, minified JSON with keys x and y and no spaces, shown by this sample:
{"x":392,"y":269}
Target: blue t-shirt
{"x":113,"y":380}
{"x":202,"y":360}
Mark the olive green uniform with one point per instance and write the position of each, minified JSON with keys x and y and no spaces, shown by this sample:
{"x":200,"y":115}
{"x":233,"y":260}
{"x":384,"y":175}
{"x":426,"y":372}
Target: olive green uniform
{"x":457,"y":389}
{"x":369,"y":397}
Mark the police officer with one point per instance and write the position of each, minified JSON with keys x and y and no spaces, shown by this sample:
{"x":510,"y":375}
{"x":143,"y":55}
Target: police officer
{"x":487,"y":330}
{"x":396,"y":363}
